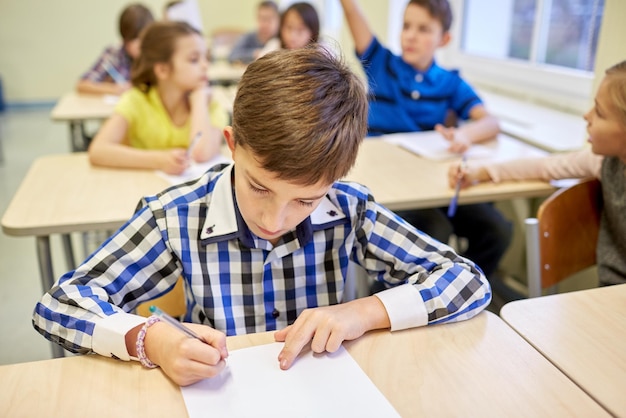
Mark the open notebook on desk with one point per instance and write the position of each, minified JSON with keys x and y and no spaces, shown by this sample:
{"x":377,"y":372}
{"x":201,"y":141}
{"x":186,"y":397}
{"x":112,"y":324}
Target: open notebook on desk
{"x":431,"y":145}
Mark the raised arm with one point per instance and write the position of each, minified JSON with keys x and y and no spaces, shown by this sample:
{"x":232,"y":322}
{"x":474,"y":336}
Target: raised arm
{"x":361,"y":32}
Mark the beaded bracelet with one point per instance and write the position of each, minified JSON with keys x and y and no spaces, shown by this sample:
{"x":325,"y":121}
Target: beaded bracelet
{"x":141,"y":349}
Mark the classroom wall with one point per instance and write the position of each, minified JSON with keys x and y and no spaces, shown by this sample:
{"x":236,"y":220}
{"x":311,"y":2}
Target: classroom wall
{"x":613,"y":28}
{"x":46,"y":45}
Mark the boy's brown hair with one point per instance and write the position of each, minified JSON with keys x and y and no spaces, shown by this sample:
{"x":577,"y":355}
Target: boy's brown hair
{"x":438,"y":9}
{"x":158,"y":44}
{"x":616,"y":76}
{"x":302,"y":113}
{"x":133,"y":19}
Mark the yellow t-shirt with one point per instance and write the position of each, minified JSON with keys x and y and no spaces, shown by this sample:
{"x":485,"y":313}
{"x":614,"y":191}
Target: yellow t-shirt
{"x":149,"y":125}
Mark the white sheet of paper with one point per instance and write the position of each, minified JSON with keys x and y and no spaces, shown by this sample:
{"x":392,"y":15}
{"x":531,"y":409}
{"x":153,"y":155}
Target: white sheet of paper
{"x":194,"y":171}
{"x":431,"y":145}
{"x":317,"y":385}
{"x":110,"y":99}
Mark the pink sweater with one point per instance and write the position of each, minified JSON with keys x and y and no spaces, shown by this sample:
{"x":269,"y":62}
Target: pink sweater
{"x":577,"y":164}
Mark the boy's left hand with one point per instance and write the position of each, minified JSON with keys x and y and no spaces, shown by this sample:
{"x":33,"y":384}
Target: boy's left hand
{"x":459,"y":142}
{"x":329,"y":326}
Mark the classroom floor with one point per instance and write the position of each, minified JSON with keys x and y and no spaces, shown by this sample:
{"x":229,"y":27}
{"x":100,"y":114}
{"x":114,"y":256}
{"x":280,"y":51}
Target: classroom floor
{"x":24,"y":136}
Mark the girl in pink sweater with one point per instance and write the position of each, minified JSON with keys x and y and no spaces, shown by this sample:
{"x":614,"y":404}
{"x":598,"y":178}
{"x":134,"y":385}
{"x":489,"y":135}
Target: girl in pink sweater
{"x":605,"y":160}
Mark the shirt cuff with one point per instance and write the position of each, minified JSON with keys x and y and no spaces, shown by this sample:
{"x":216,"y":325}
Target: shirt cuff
{"x":405,"y":307}
{"x":109,"y":335}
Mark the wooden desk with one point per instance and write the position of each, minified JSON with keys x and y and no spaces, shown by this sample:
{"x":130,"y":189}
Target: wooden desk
{"x":544,"y":127}
{"x":62,"y":194}
{"x":478,"y":367}
{"x":225,"y":73}
{"x":582,"y":333}
{"x":78,"y":197}
{"x":75,"y":109}
{"x":400,"y":179}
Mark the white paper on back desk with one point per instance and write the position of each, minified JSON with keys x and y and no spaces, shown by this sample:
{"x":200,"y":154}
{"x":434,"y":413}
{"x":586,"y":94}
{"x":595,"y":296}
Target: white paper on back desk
{"x":431,"y":145}
{"x":317,"y":385}
{"x":194,"y":171}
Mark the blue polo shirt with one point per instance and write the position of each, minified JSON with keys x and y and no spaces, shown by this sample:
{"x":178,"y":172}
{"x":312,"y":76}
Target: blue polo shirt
{"x":403,"y":99}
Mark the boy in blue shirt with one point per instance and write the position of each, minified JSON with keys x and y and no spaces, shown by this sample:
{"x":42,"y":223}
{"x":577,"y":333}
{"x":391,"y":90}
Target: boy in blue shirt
{"x":264,"y":243}
{"x":410,"y":93}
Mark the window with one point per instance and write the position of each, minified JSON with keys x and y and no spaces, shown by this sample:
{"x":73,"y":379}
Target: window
{"x":537,"y":50}
{"x":555,"y":32}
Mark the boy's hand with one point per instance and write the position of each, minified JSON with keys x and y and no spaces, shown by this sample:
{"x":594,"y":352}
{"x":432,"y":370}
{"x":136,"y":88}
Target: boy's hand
{"x":186,"y":360}
{"x":329,"y":326}
{"x":468,"y":175}
{"x":459,"y":142}
{"x":174,"y":161}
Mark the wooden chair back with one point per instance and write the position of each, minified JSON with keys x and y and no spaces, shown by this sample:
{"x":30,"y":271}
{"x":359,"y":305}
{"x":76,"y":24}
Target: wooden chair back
{"x":562,"y":239}
{"x":172,"y":303}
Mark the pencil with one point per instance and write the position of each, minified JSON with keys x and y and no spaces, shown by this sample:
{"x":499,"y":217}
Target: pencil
{"x":173,"y":322}
{"x":457,"y":189}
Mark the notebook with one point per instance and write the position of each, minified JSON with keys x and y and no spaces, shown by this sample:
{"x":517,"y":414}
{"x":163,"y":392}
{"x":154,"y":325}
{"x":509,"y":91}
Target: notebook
{"x":431,"y":145}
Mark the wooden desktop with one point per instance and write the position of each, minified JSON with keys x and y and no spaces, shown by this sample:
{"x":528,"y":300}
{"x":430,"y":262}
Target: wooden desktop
{"x":582,"y":333}
{"x":478,"y":367}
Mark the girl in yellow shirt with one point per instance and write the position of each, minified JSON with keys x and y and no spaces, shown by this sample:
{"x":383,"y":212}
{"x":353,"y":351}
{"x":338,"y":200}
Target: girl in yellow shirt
{"x":170,"y":103}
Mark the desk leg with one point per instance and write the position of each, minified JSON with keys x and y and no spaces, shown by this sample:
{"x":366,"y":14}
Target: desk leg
{"x":77,"y":136}
{"x":69,"y":251}
{"x":44,"y":256}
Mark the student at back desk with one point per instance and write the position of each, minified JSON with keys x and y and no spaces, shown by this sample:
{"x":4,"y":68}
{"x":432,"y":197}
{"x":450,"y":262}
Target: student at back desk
{"x":157,"y":121}
{"x":249,"y":46}
{"x":299,"y":27}
{"x":111,"y":73}
{"x":605,"y":160}
{"x":412,"y":93}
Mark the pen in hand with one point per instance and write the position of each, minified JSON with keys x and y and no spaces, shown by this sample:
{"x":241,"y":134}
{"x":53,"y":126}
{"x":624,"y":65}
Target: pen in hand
{"x":457,"y":189}
{"x":193,"y":143}
{"x":173,"y":322}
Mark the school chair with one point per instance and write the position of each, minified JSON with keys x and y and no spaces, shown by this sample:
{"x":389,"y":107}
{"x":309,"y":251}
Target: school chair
{"x":172,"y":302}
{"x":562,"y":239}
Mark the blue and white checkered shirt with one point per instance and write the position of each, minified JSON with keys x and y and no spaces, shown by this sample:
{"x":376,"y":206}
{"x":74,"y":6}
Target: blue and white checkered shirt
{"x":239,"y":283}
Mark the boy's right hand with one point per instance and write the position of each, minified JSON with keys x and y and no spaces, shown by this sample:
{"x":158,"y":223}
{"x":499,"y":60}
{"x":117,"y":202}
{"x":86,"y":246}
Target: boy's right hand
{"x":174,"y":161}
{"x":186,"y":360}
